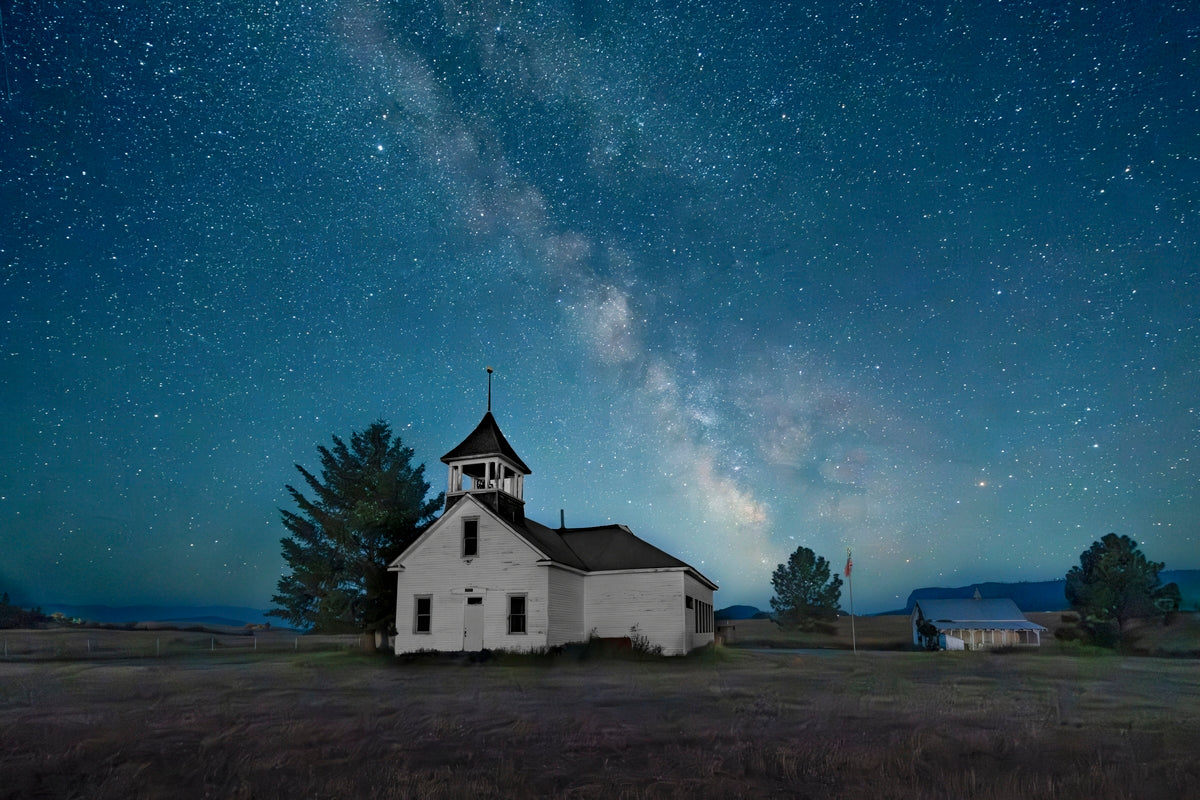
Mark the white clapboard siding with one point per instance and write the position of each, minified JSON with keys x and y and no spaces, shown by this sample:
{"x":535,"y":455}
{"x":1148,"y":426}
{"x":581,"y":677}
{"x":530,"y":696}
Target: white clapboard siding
{"x":565,"y":616}
{"x":505,"y":564}
{"x":643,"y":603}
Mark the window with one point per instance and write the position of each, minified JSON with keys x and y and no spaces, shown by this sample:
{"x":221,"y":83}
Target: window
{"x":704,"y":617}
{"x":470,"y":547}
{"x":516,"y":613}
{"x":687,"y":602}
{"x":423,"y":614}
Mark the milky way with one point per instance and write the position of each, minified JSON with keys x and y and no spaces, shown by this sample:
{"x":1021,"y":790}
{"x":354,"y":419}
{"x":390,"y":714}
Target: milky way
{"x":919,"y":281}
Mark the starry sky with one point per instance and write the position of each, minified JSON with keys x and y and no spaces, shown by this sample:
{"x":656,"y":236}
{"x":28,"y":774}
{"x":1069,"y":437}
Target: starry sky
{"x":918,"y":279}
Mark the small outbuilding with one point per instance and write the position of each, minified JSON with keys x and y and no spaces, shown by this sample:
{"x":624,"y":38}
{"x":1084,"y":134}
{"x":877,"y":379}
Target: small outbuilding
{"x":974,"y":624}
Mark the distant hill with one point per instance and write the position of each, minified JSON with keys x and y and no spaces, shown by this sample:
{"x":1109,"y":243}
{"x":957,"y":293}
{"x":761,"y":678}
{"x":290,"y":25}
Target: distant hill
{"x":234,"y":616}
{"x":1031,"y":596}
{"x":736,"y":612}
{"x":1028,"y":595}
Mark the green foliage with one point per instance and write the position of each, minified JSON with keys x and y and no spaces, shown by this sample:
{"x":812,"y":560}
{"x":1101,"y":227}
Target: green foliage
{"x":927,"y":632}
{"x":368,"y":505}
{"x":1115,"y":583}
{"x":641,"y":645}
{"x":805,"y":594}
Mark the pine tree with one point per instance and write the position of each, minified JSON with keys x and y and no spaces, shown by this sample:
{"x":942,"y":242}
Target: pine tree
{"x":1115,"y":581}
{"x":804,"y":591}
{"x":368,"y":505}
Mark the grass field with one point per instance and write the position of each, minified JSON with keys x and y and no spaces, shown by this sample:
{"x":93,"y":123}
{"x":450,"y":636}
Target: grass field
{"x":1181,"y":637}
{"x":729,"y":723}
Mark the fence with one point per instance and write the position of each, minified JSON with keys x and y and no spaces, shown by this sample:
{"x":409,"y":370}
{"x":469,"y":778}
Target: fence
{"x":35,"y":645}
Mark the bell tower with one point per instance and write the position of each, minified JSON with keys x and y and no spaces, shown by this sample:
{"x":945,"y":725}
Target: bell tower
{"x":485,"y":466}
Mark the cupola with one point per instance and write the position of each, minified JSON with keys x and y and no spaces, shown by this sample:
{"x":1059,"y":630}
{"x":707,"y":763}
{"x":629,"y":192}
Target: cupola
{"x":485,"y":466}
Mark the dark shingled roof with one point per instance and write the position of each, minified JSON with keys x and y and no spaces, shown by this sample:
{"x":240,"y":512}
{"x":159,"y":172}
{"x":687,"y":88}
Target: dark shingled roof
{"x":615,"y":547}
{"x":486,"y":440}
{"x":600,"y":548}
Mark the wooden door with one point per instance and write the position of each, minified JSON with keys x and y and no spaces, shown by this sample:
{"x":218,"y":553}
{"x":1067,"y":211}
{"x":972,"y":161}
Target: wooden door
{"x":473,"y":624}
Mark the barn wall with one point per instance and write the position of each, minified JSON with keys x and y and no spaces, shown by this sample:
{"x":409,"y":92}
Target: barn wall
{"x":649,"y":604}
{"x":565,"y":612}
{"x":505,"y":564}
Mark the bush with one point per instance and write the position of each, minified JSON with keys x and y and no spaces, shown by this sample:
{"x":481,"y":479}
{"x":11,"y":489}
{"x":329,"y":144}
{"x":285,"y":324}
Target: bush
{"x":1069,"y":633}
{"x":16,"y":617}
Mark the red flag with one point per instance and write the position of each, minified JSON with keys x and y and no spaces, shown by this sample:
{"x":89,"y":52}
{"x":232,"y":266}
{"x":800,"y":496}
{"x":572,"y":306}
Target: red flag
{"x":849,"y":563}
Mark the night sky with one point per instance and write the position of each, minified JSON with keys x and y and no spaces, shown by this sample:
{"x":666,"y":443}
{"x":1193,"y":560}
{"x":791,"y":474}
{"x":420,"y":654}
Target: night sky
{"x":919,"y":279}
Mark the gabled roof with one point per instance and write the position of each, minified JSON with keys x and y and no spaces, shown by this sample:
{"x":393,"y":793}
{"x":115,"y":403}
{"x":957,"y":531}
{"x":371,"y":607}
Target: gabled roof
{"x":551,"y":543}
{"x":998,"y":612}
{"x":601,"y":548}
{"x":616,"y":547}
{"x":597,"y":549}
{"x":486,"y":440}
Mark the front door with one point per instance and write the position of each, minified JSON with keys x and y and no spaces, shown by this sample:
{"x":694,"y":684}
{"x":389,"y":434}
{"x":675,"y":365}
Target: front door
{"x":473,"y":624}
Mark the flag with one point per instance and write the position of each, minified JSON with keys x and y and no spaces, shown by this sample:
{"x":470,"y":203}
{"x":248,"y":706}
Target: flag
{"x":849,"y":563}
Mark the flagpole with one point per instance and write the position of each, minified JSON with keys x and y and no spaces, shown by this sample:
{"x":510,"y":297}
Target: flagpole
{"x":850,"y":587}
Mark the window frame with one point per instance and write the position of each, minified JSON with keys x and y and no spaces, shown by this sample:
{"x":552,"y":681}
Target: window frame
{"x":427,"y":615}
{"x":468,"y":523}
{"x":704,"y":621}
{"x":512,"y":616}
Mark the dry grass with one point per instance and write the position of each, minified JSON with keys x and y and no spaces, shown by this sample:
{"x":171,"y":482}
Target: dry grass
{"x":870,"y":633}
{"x":1178,"y":636}
{"x":730,"y":724}
{"x":156,"y":641}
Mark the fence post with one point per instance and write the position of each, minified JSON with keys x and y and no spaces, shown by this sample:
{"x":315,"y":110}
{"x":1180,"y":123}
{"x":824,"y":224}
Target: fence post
{"x":157,"y":647}
{"x":212,"y":645}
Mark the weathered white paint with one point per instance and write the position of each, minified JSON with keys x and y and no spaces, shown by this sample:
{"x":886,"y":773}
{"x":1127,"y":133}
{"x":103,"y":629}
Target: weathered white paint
{"x":565,"y":615}
{"x":473,"y":619}
{"x":562,"y":605}
{"x":505,"y":564}
{"x":639,"y":603}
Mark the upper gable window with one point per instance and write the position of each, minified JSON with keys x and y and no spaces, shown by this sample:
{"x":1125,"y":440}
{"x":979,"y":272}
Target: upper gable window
{"x":470,"y":538}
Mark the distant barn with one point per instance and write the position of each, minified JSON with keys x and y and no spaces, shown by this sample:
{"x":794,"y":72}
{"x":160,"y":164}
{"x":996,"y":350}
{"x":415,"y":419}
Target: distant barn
{"x":974,"y":624}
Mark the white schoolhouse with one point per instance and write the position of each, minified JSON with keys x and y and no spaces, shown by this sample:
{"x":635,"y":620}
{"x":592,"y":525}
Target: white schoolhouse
{"x":484,"y":576}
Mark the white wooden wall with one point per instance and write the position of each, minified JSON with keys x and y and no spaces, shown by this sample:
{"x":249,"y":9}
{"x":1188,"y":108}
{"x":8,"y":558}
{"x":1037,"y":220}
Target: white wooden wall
{"x":651,"y":601}
{"x":505,"y":564}
{"x":561,"y":606}
{"x":565,"y":615}
{"x":700,"y":591}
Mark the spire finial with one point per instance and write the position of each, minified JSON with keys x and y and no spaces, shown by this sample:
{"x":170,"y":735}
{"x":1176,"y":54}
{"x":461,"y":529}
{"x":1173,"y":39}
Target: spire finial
{"x":489,"y":372}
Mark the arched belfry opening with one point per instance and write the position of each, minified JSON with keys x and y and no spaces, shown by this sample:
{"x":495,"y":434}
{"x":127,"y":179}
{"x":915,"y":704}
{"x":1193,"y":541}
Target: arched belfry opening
{"x":485,"y":466}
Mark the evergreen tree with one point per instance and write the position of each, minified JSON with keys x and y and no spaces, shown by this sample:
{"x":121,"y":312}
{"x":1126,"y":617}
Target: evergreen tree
{"x":1115,"y":582}
{"x":368,"y":505}
{"x":804,"y":591}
